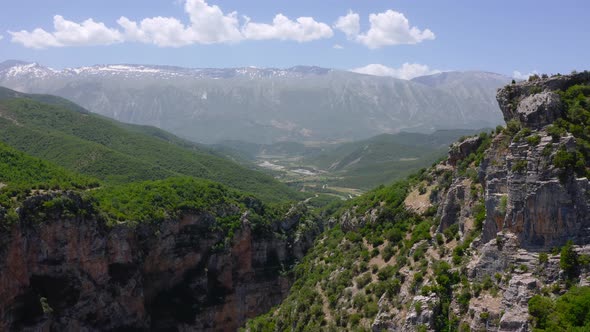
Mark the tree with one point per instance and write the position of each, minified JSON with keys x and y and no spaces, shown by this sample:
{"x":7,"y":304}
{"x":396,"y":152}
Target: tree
{"x":568,"y":261}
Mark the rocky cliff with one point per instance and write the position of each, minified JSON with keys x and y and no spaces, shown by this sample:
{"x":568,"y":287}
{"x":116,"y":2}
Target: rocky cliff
{"x":533,"y":203}
{"x":63,"y":269}
{"x":465,"y":244}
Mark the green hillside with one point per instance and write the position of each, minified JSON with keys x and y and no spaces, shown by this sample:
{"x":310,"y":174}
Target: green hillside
{"x":20,"y":172}
{"x":67,"y":135}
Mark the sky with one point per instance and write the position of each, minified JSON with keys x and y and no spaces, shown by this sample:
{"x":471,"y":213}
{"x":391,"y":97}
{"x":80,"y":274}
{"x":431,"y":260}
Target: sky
{"x":401,"y":38}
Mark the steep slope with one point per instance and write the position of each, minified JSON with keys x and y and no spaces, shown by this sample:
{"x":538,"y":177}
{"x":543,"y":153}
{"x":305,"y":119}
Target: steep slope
{"x":259,"y":105}
{"x":69,"y":136}
{"x":471,"y":244}
{"x":473,"y":88}
{"x":175,"y":254}
{"x":179,"y":253}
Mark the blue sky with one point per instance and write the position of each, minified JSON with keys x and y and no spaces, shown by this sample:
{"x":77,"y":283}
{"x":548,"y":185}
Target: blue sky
{"x":497,"y":36}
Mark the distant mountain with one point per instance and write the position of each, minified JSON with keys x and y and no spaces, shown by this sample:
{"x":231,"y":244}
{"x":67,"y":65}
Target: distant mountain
{"x":266,"y":105}
{"x":65,"y":134}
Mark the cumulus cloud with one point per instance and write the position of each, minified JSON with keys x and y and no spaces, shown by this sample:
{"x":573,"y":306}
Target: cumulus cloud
{"x":208,"y":24}
{"x":520,"y":76}
{"x":387,"y":28}
{"x":303,"y":29}
{"x":68,"y":33}
{"x":338,"y":46}
{"x":407,"y":71}
{"x":350,"y":24}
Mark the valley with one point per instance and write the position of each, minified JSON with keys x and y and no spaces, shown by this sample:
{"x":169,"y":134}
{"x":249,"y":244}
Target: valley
{"x":398,"y":231}
{"x":294,"y":166}
{"x":347,"y":169}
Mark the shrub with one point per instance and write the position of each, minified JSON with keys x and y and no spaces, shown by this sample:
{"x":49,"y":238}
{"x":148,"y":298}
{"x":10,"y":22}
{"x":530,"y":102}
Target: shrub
{"x":388,"y":252}
{"x":451,"y":231}
{"x":543,"y":258}
{"x":519,"y":166}
{"x":512,"y":127}
{"x":354,"y":320}
{"x":568,"y":261}
{"x":534,"y":77}
{"x":418,"y":307}
{"x":363,"y":280}
{"x":533,"y":140}
{"x":555,"y":132}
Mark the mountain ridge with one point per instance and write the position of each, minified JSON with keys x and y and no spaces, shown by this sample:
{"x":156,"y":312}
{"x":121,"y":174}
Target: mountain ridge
{"x":262,"y":105}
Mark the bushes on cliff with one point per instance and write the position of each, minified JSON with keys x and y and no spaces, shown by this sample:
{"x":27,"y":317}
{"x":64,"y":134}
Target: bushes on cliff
{"x":576,"y":120}
{"x":569,"y":312}
{"x":568,"y":261}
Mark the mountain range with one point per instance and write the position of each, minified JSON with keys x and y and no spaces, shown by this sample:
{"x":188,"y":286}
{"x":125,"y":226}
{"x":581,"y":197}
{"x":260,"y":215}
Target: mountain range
{"x":266,"y":105}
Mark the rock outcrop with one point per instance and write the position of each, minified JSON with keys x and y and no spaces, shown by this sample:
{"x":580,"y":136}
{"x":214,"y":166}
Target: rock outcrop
{"x":531,"y":206}
{"x":70,"y":272}
{"x":525,"y":192}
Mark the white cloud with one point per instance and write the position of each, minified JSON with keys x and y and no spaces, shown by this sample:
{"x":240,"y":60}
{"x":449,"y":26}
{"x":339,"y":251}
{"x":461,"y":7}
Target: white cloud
{"x":387,"y":28}
{"x":349,"y":24}
{"x":338,"y":46}
{"x":68,"y":33}
{"x":407,"y":71}
{"x":303,"y":29}
{"x":520,"y":76}
{"x":1,"y":37}
{"x":208,"y":24}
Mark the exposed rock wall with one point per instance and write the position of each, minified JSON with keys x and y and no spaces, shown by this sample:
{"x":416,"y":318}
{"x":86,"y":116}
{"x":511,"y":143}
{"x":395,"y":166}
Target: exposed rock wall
{"x":543,"y":206}
{"x":531,"y":207}
{"x":72,"y":273}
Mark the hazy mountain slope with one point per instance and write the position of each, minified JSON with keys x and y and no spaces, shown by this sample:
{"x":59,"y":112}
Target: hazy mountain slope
{"x":259,"y":105}
{"x":117,"y":152}
{"x":475,"y":89}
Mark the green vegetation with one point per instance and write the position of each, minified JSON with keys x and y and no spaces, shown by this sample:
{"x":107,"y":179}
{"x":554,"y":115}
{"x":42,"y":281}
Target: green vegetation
{"x":543,"y":258}
{"x":475,"y":158}
{"x":534,"y":140}
{"x":21,"y":170}
{"x":347,"y":168}
{"x":155,"y":201}
{"x":512,"y":127}
{"x":118,"y":153}
{"x":519,"y":166}
{"x":569,"y":312}
{"x":576,"y":121}
{"x":20,"y":173}
{"x":325,"y":276}
{"x":569,"y":262}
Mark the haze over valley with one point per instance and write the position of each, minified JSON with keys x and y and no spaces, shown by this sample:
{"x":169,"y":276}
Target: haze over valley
{"x":267,"y":166}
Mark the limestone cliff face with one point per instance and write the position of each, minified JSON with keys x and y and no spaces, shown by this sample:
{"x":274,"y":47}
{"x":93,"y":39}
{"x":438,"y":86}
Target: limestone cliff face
{"x":69,"y":272}
{"x":525,"y":193}
{"x":531,"y":206}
